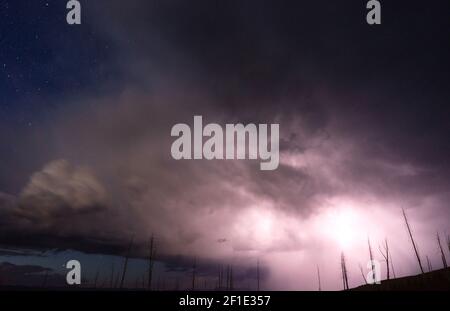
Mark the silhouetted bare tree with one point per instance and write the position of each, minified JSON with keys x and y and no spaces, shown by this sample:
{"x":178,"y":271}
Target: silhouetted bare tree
{"x":430,"y":267}
{"x":444,"y":260}
{"x":318,"y":278}
{"x":257,"y":274}
{"x":385,"y":254}
{"x":362,"y":274}
{"x":125,"y":265}
{"x":412,"y":241}
{"x":344,"y":272}
{"x":448,"y":242}
{"x":194,"y":272}
{"x":96,"y":277}
{"x":231,"y":278}
{"x":220,"y":286}
{"x":227,"y":285}
{"x":392,"y":264}
{"x":371,"y":259}
{"x":151,"y":260}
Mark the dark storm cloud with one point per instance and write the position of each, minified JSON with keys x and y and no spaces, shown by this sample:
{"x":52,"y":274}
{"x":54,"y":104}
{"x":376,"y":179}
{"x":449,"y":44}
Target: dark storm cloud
{"x":260,"y":60}
{"x":26,"y":269}
{"x":50,"y":211}
{"x":20,"y":252}
{"x":29,"y":276}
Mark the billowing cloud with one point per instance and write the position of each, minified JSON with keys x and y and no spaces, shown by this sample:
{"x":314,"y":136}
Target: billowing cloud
{"x":60,"y":190}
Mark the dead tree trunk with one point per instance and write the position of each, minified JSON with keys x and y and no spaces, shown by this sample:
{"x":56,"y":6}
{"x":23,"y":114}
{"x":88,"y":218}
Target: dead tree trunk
{"x":227,"y":285}
{"x":448,"y":243}
{"x":257,"y":275}
{"x":96,"y":278}
{"x":231,"y":278}
{"x":412,"y":241}
{"x":392,"y":265}
{"x":362,"y":274}
{"x":444,"y":260}
{"x":219,"y":281}
{"x":125,"y":265}
{"x":344,"y":272}
{"x":151,"y":259}
{"x":318,"y":278}
{"x":385,"y":254}
{"x":371,"y":259}
{"x":194,"y":270}
{"x":430,"y":267}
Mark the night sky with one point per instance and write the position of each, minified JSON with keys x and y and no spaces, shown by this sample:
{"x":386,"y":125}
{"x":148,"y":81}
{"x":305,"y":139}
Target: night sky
{"x":86,"y":112}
